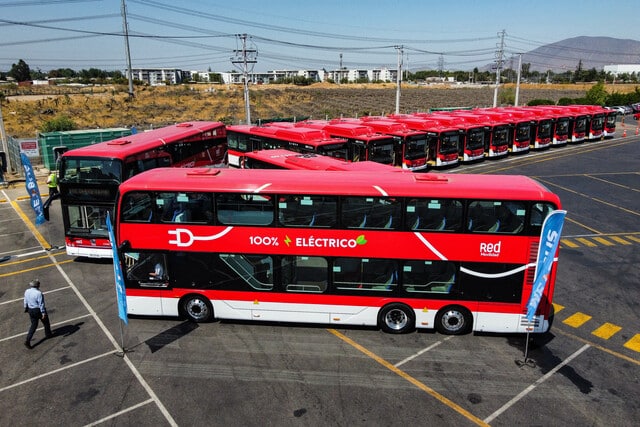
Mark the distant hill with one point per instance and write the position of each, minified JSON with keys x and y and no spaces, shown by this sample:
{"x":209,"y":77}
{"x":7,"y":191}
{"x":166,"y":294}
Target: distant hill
{"x":595,"y":52}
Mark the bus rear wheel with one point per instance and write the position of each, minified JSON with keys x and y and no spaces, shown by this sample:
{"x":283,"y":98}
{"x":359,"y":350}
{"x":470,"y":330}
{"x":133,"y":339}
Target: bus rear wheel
{"x":396,"y":319}
{"x":453,"y":320}
{"x":196,"y":308}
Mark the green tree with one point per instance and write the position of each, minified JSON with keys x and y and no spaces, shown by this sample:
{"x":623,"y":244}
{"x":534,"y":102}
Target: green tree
{"x":58,"y":123}
{"x":20,"y":71}
{"x":597,"y":95}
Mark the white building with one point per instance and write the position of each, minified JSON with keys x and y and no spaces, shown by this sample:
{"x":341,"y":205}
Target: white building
{"x":616,"y":70}
{"x":156,"y":76}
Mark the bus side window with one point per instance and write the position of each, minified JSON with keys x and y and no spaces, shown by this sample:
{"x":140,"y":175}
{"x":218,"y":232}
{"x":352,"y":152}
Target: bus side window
{"x":304,"y":274}
{"x":137,"y":207}
{"x":355,"y":211}
{"x":482,"y":217}
{"x":436,"y":277}
{"x":539,"y":212}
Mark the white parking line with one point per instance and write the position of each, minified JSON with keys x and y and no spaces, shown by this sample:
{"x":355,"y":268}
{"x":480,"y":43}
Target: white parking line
{"x":402,"y":362}
{"x":42,"y":328}
{"x":55,"y":371}
{"x":526,"y":391}
{"x":117,"y":414}
{"x":115,"y":344}
{"x":46,"y":293}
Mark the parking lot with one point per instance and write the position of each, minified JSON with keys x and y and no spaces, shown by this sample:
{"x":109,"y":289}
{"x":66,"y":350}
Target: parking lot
{"x":586,"y":371}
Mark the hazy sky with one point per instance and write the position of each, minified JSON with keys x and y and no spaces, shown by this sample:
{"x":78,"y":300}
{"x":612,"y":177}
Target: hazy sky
{"x":301,"y":34}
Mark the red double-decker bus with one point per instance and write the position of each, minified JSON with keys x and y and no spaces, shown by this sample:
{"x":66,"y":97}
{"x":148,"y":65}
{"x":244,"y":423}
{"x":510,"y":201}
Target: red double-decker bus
{"x":314,"y":247}
{"x":278,"y":158}
{"x":443,"y":142}
{"x":89,"y":176}
{"x":246,"y":138}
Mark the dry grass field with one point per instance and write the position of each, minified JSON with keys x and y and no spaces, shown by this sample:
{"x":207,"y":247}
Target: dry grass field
{"x":107,"y":107}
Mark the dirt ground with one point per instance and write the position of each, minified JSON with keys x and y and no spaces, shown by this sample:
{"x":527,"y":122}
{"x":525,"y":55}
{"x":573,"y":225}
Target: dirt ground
{"x":151,"y":107}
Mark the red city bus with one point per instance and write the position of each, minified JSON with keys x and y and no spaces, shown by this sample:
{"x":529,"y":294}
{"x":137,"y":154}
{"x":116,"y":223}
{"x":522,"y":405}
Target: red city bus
{"x":364,"y":143}
{"x":247,"y":138}
{"x":521,"y":129}
{"x":443,"y":142}
{"x":577,"y":122}
{"x":610,"y":123}
{"x":596,"y":121}
{"x":412,"y":144}
{"x":560,"y":124}
{"x":499,"y":139}
{"x":473,"y":147}
{"x":278,"y":158}
{"x":314,"y":247}
{"x":541,"y":125}
{"x":89,"y":176}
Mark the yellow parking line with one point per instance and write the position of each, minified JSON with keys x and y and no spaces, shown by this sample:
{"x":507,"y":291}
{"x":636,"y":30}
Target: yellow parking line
{"x":26,"y":270}
{"x":577,"y":320}
{"x":606,"y":331}
{"x":30,"y":225}
{"x":557,"y":307}
{"x":586,"y":242}
{"x":603,"y":241}
{"x":620,"y":240}
{"x":442,"y":399}
{"x":634,"y":238}
{"x":633,"y":343}
{"x":568,"y":243}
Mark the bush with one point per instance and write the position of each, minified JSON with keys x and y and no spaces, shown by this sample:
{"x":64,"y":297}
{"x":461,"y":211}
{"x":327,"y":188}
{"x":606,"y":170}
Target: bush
{"x":59,"y":123}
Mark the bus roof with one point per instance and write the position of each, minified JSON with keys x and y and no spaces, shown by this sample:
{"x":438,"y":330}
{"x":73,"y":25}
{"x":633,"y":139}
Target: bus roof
{"x":352,"y":183}
{"x":302,"y":135}
{"x":125,"y":146}
{"x":309,"y":161}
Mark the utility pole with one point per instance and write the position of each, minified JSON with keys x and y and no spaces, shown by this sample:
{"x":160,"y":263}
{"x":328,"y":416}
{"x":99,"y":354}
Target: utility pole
{"x":399,"y":77}
{"x":3,"y":139}
{"x":247,"y":59}
{"x":340,"y":70}
{"x":499,"y":61}
{"x":125,"y":26}
{"x":518,"y":79}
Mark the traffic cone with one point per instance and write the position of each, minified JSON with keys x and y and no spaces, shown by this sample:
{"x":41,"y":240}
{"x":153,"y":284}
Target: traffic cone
{"x":637,"y":131}
{"x":624,"y":133}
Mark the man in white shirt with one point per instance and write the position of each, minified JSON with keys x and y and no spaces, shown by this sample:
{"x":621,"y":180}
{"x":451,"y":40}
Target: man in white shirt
{"x":34,"y":305}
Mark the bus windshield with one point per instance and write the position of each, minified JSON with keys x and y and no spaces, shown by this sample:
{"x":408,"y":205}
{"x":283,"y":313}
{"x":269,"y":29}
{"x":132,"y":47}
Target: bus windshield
{"x":416,"y":147}
{"x":544,"y":129}
{"x":501,"y":136}
{"x":523,"y":131}
{"x":88,"y":169}
{"x":334,"y":150}
{"x":476,"y":139}
{"x":449,"y":143}
{"x":382,"y":151}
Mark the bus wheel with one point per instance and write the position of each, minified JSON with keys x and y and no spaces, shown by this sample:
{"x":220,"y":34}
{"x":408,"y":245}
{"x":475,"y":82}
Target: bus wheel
{"x":453,"y":320}
{"x":396,"y":319}
{"x":196,"y":308}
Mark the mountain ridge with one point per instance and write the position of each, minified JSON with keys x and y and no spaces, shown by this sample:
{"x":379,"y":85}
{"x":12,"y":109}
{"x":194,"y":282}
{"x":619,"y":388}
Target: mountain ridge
{"x":594,"y":52}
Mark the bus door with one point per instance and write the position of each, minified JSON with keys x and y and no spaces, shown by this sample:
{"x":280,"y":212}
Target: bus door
{"x":357,"y":151}
{"x":148,"y":271}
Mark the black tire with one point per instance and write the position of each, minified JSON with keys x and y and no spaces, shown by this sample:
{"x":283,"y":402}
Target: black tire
{"x":454,"y":320}
{"x":196,"y":308}
{"x":397,"y":318}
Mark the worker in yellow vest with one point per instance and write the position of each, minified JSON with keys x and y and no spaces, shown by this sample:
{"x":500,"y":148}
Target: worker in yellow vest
{"x":52,"y":183}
